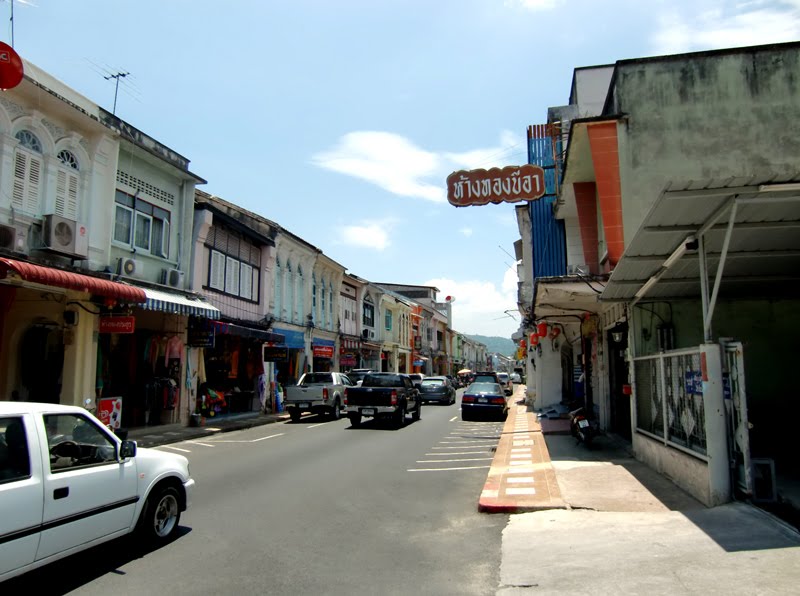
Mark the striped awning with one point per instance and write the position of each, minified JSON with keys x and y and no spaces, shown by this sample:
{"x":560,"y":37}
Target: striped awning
{"x":60,"y":278}
{"x":178,"y":304}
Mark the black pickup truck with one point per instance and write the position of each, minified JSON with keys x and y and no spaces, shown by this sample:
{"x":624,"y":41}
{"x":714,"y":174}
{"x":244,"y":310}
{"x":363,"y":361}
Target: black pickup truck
{"x":384,"y":395}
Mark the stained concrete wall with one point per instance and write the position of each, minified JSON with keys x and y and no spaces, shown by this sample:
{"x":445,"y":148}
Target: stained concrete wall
{"x":699,"y":117}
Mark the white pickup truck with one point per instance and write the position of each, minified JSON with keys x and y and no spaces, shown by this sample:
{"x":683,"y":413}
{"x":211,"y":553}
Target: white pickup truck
{"x":317,"y":392}
{"x":67,"y":483}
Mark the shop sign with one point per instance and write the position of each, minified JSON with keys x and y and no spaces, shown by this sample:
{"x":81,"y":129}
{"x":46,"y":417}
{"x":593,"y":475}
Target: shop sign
{"x":323,"y":352}
{"x":348,"y":360}
{"x":275,"y":354}
{"x":200,"y":335}
{"x":511,"y":184}
{"x":117,"y":324}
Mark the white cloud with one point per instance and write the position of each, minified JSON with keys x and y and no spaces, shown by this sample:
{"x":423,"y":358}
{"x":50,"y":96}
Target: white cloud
{"x":535,"y":5}
{"x":397,"y":165}
{"x":479,"y":306}
{"x":370,"y":234}
{"x":466,"y":232}
{"x":726,"y":24}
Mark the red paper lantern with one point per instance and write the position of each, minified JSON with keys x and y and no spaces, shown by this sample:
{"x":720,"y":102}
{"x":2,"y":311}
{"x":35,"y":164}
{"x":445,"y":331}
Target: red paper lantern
{"x":534,"y":340}
{"x":541,"y":329}
{"x":555,"y":332}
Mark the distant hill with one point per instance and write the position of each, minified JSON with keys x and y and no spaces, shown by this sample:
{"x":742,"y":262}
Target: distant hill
{"x":501,"y":345}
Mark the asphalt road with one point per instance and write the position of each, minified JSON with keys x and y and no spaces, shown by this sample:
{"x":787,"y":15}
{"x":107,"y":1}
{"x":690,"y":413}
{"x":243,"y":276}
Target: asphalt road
{"x":317,"y":507}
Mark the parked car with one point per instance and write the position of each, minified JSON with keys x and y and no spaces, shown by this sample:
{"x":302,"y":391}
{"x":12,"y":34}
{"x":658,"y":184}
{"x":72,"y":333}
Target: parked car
{"x":416,"y":378}
{"x":515,"y":377}
{"x":67,"y":483}
{"x":437,"y":389}
{"x":357,"y":375}
{"x":483,"y":399}
{"x":505,"y":381}
{"x":317,"y":392}
{"x":488,"y":376}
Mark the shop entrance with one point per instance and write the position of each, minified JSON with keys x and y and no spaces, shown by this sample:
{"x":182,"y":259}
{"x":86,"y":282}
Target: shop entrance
{"x":41,"y":364}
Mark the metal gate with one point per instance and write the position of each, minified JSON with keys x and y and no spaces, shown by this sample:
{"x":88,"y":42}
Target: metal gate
{"x":733,"y":387}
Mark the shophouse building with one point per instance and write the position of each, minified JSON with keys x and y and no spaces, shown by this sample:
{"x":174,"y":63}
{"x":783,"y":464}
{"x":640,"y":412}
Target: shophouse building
{"x":681,"y":205}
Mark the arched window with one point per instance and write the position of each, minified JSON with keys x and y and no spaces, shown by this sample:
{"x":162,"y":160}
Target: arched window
{"x":67,"y":185}
{"x":290,"y":299}
{"x":330,"y":306}
{"x":314,"y":297}
{"x":301,"y":294}
{"x":278,"y":291}
{"x":27,"y":173}
{"x":323,"y":310}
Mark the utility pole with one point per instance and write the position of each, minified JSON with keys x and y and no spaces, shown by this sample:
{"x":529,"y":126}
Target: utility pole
{"x":117,"y":77}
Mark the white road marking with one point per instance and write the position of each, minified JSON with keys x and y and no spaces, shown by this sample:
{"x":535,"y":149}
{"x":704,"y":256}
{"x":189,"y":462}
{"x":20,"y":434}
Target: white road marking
{"x":467,"y":446}
{"x":316,"y":425}
{"x":520,"y":491}
{"x":203,"y":444}
{"x":458,"y":453}
{"x":269,"y":437}
{"x":447,"y":469}
{"x":454,"y":418}
{"x":519,"y":479}
{"x":175,"y":448}
{"x":446,"y":461}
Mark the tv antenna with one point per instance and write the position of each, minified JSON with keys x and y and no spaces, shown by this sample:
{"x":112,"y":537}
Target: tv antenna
{"x":117,"y":76}
{"x":11,"y":20}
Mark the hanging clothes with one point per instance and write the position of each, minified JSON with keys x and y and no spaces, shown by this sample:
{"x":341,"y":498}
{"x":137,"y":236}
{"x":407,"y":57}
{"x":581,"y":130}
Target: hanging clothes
{"x":173,"y":349}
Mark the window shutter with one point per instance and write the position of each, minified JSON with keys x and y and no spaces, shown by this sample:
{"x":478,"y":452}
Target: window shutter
{"x":232,"y":276}
{"x":67,"y":194}
{"x":217,"y":275}
{"x":27,"y":174}
{"x":246,"y":282}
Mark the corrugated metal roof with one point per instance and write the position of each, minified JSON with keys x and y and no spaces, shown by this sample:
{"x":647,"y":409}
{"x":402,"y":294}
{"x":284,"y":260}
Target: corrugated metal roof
{"x":763,"y":255}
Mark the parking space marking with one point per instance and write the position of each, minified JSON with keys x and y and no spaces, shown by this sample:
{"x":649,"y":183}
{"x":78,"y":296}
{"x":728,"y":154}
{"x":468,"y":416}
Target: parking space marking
{"x":175,"y":448}
{"x":447,"y":469}
{"x":447,"y":461}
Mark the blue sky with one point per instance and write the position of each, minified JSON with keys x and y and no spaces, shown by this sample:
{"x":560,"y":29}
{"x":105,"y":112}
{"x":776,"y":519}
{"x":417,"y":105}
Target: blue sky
{"x":340,"y":121}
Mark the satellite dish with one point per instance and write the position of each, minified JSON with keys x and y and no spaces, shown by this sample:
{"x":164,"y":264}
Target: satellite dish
{"x":10,"y":67}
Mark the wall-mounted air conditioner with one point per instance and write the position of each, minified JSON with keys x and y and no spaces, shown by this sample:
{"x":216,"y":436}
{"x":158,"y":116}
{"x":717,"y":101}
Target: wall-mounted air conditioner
{"x":172,"y":278}
{"x":128,"y":267}
{"x":13,"y":238}
{"x":65,"y":236}
{"x":371,"y":334}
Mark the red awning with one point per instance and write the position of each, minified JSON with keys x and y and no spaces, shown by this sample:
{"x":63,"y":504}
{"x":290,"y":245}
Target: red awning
{"x":49,"y":276}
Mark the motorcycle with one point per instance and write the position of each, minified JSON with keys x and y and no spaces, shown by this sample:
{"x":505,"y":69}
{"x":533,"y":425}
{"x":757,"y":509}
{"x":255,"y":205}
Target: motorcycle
{"x":583,"y":429}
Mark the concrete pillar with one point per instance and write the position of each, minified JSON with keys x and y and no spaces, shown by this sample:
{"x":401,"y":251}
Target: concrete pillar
{"x":719,"y":480}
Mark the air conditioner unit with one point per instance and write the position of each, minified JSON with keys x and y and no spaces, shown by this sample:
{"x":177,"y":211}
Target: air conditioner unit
{"x":577,"y":270}
{"x":13,"y":238}
{"x":65,"y":236}
{"x":127,"y":267}
{"x":172,"y":278}
{"x":365,"y":333}
{"x":372,"y":334}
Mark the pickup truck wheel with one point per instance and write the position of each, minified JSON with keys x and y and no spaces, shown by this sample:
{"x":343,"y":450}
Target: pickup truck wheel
{"x":160,"y":515}
{"x":294,"y":414}
{"x":400,"y":417}
{"x":417,"y":413}
{"x":355,"y":420}
{"x":336,"y":411}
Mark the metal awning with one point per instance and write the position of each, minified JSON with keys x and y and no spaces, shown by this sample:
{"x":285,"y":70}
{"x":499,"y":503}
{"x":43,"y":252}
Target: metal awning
{"x":740,"y":239}
{"x":562,"y":299}
{"x":50,"y":276}
{"x":170,"y":302}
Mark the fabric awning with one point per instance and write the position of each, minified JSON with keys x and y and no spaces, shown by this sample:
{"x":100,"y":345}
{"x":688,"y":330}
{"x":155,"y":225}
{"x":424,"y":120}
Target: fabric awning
{"x":50,"y":276}
{"x":170,"y":302}
{"x":245,"y":331}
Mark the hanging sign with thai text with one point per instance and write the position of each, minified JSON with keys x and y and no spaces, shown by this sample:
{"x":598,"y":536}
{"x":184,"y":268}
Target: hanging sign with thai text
{"x":511,"y":184}
{"x":117,"y":324}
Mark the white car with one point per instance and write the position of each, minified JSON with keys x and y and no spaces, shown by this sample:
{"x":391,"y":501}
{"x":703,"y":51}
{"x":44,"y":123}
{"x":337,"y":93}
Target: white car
{"x":505,"y":382}
{"x":67,"y":483}
{"x":515,"y":378}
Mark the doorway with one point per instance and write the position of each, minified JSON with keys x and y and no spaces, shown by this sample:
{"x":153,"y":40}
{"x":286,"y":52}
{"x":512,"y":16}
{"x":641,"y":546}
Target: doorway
{"x":618,"y":382}
{"x":42,"y":364}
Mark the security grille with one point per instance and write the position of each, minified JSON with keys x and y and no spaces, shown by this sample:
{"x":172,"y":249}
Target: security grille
{"x":669,"y":399}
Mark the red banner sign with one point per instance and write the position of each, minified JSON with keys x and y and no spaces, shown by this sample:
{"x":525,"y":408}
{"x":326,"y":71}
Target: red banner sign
{"x":117,"y":324}
{"x":511,"y":184}
{"x":323,"y":352}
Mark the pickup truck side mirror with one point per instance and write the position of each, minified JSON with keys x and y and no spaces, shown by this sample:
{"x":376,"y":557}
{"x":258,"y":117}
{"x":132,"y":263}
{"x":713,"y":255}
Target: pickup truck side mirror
{"x":127,"y":449}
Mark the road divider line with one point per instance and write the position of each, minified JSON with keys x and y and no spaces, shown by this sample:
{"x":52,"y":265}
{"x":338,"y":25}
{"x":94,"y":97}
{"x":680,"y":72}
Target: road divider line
{"x":447,"y":469}
{"x":265,"y":438}
{"x":175,"y":448}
